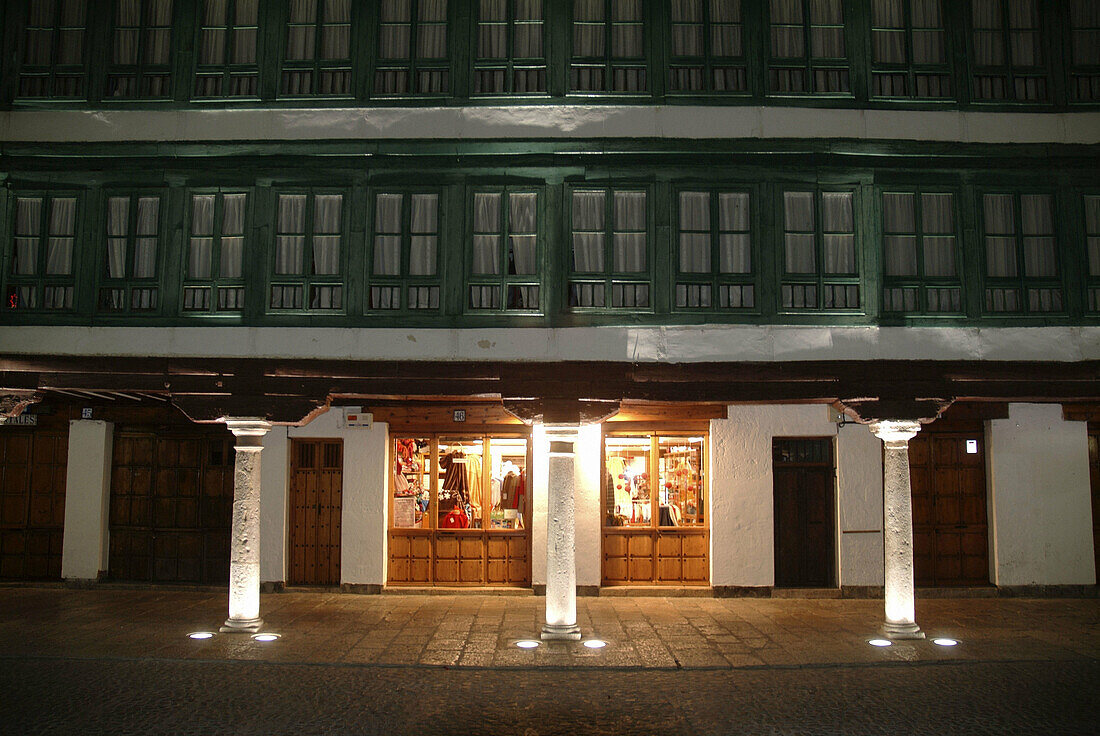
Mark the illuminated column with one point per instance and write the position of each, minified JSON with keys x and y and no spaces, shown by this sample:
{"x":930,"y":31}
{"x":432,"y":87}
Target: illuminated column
{"x":561,"y":567}
{"x":898,"y":531}
{"x":244,"y":552}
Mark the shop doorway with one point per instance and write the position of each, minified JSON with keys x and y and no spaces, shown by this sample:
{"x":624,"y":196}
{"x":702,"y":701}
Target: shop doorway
{"x":803,"y":497}
{"x":316,"y":503}
{"x":32,"y":502}
{"x":950,"y":532}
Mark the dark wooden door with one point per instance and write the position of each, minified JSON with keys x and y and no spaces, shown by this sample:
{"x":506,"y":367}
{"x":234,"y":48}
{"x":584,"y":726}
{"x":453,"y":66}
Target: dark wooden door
{"x":805,"y":549}
{"x":316,"y":492}
{"x":950,"y":532}
{"x":171,"y":506}
{"x":32,"y":502}
{"x":1094,"y":474}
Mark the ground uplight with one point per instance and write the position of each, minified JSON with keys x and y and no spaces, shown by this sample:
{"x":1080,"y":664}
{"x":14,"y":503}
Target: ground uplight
{"x":265,"y":637}
{"x":945,"y":642}
{"x":595,"y":643}
{"x":880,"y":642}
{"x":527,"y":644}
{"x":201,"y":635}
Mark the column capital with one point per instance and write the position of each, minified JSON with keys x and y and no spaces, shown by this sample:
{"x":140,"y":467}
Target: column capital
{"x":562,"y":438}
{"x":895,"y":433}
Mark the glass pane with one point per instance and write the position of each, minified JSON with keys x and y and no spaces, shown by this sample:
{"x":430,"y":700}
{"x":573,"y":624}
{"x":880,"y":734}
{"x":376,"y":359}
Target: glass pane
{"x":680,"y":499}
{"x":412,"y":482}
{"x":627,"y":482}
{"x":507,"y":495}
{"x":588,"y":210}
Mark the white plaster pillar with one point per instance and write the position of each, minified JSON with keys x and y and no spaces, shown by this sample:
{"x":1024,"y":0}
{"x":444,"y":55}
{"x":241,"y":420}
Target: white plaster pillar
{"x":898,"y":529}
{"x":244,"y":544}
{"x":87,"y":499}
{"x":561,"y":567}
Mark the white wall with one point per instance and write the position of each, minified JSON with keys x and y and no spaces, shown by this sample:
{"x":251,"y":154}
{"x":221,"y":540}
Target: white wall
{"x":540,"y":498}
{"x":274,"y":472}
{"x":87,"y":499}
{"x":859,"y":500}
{"x":1040,"y":504}
{"x":588,"y":477}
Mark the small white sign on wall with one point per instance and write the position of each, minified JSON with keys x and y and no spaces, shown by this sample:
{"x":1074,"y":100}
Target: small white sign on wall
{"x":353,"y":417}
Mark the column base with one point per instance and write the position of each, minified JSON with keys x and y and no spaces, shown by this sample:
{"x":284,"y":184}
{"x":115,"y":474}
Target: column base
{"x":242,"y":625}
{"x":902,"y":630}
{"x":561,"y":632}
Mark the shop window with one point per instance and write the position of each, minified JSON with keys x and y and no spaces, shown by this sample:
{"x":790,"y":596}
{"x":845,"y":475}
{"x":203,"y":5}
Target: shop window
{"x":404,"y":272}
{"x":1092,"y":239}
{"x":141,"y":50}
{"x":707,"y":47}
{"x":227,"y":61}
{"x":809,"y":54}
{"x":608,"y":47}
{"x":610,"y":265}
{"x":412,"y":50}
{"x":511,"y":55}
{"x":1022,"y":267}
{"x":820,"y":262}
{"x":504,"y":251}
{"x":1007,"y":52}
{"x":654,"y":481}
{"x":715,"y":259}
{"x":308,"y":267}
{"x":214,"y":275}
{"x":920,"y":253}
{"x":133,"y":233}
{"x":1084,"y":50}
{"x":317,"y":58}
{"x":909,"y":49}
{"x":54,"y":62}
{"x":40,"y":272}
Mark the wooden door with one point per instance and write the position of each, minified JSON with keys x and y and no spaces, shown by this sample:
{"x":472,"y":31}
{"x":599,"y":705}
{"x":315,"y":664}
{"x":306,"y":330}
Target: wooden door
{"x":805,"y":549}
{"x":1094,"y":474}
{"x":32,"y":502}
{"x":950,"y":532}
{"x":316,"y":494}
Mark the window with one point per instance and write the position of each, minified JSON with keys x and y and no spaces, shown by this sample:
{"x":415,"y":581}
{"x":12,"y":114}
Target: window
{"x":307,"y":268}
{"x":715,"y":261}
{"x":707,"y":50}
{"x":610,"y":259}
{"x":1084,"y":50}
{"x":1021,"y":259}
{"x":133,"y":236}
{"x":511,"y":56}
{"x":808,"y":52}
{"x":608,"y":46}
{"x":227,"y":61}
{"x":1092,"y":238}
{"x":214,"y":276}
{"x":54,"y":64}
{"x":819,"y":252}
{"x":412,"y":49}
{"x":405,"y":262}
{"x":920,"y":255}
{"x":141,"y":49}
{"x":909,"y":49}
{"x":40,"y":273}
{"x":1007,"y":55}
{"x":318,"y":49}
{"x":504,"y":254}
{"x":654,"y":481}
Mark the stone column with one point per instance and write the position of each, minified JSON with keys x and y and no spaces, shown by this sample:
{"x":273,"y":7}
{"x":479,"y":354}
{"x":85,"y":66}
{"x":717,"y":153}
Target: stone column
{"x":244,"y":544}
{"x":898,"y":529}
{"x":561,"y":567}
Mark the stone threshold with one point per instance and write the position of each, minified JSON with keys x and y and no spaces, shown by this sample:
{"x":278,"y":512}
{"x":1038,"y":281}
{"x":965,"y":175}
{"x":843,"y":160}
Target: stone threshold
{"x":456,"y":590}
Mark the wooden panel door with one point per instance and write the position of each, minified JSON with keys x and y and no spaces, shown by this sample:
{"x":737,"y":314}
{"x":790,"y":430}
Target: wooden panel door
{"x":316,"y":502}
{"x":805,"y":546}
{"x":32,"y":503}
{"x":950,"y":532}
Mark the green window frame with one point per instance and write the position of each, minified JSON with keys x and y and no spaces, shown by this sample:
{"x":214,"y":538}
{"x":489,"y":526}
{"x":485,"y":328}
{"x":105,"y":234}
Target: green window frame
{"x":503,"y":259}
{"x":820,"y":250}
{"x":510,"y":49}
{"x":1023,"y":268}
{"x":309,"y":253}
{"x":141,"y":50}
{"x":44,"y":246}
{"x":133,"y":235}
{"x":706,"y":48}
{"x":216,"y":253}
{"x":608,"y":271}
{"x":1083,"y":49}
{"x":405,"y":268}
{"x":921,"y":258}
{"x":909,"y":50}
{"x":318,"y":49}
{"x":1092,"y":250}
{"x":808,"y":49}
{"x":608,"y":49}
{"x":413,"y":49}
{"x":1007,"y":53}
{"x":715,"y":261}
{"x":227,"y":49}
{"x":54,"y":55}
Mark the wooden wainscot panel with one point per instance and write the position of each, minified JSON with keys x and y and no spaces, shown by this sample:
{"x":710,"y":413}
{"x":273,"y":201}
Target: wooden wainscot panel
{"x":441,"y":417}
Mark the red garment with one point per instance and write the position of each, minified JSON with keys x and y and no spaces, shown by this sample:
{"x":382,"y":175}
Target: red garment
{"x":456,"y":519}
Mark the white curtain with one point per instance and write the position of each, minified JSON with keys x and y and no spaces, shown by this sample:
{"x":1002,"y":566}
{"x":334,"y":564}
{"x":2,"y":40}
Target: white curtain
{"x":301,"y":35}
{"x":290,"y":242}
{"x":118,"y":223}
{"x":158,"y":31}
{"x":626,"y":32}
{"x":1000,"y":241}
{"x":588,"y":226}
{"x":486,"y":233}
{"x":202,"y":240}
{"x":127,"y":31}
{"x":326,"y":233}
{"x":212,"y":40}
{"x":839,"y":227}
{"x":522,"y":215}
{"x":588,"y":28}
{"x":695,"y":232}
{"x":59,"y":250}
{"x":145,"y":244}
{"x":424,"y":226}
{"x":938,"y":226}
{"x":889,"y":45}
{"x":629,"y":248}
{"x":988,"y":42}
{"x":387,"y":240}
{"x":393,"y":42}
{"x":827,"y":43}
{"x":232,"y":246}
{"x":899,"y":224}
{"x":1085,"y":14}
{"x":431,"y":37}
{"x":798,"y":240}
{"x":28,"y":228}
{"x":928,"y":34}
{"x":734,"y":243}
{"x":1092,"y":227}
{"x":336,"y":32}
{"x":1037,"y":223}
{"x":492,"y":31}
{"x":527,"y":36}
{"x":787,"y":41}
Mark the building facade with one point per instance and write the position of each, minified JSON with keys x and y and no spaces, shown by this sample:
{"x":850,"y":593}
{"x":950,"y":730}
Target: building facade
{"x":396,"y":247}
